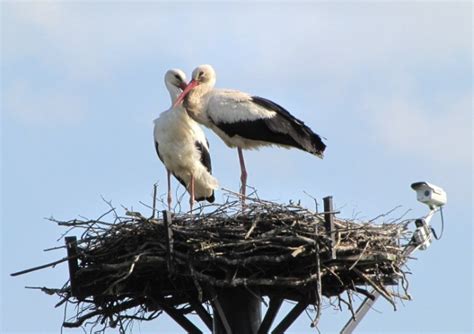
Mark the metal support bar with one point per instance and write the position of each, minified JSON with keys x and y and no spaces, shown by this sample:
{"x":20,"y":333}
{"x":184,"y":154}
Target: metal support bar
{"x":290,"y":317}
{"x":270,"y":315}
{"x":71,"y":246}
{"x":360,"y":313}
{"x":329,"y":224}
{"x":179,"y":318}
{"x":219,"y":315}
{"x":368,"y":302}
{"x":202,"y":313}
{"x":167,"y":220}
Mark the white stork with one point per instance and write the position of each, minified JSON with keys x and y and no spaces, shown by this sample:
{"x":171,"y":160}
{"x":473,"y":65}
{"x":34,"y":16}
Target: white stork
{"x":182,"y":146}
{"x":244,"y":121}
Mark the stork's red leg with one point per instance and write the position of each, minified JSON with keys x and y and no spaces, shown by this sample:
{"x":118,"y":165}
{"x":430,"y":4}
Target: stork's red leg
{"x":191,"y":193}
{"x":169,"y":190}
{"x":243,"y":173}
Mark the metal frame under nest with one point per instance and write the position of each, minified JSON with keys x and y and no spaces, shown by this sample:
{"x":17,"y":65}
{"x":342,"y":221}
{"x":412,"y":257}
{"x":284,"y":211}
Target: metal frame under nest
{"x":135,"y":268}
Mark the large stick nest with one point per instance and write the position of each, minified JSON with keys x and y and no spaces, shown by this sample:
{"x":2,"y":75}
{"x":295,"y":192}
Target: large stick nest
{"x":271,"y":249}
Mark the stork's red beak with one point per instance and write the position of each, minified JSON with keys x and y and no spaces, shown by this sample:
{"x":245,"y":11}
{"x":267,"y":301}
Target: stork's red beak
{"x":183,"y":85}
{"x":193,"y":83}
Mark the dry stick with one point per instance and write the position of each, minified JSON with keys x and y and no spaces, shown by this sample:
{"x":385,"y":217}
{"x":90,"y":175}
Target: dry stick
{"x":52,"y":264}
{"x":121,"y":307}
{"x":351,"y":307}
{"x":318,"y":281}
{"x":363,"y":292}
{"x":53,"y":248}
{"x":109,"y":203}
{"x":335,"y":275}
{"x":254,"y":224}
{"x":385,"y":214}
{"x":379,"y":289}
{"x":281,"y":230}
{"x":238,"y":195}
{"x":275,"y":281}
{"x":314,"y":199}
{"x":360,"y":257}
{"x":46,"y":290}
{"x":196,"y":283}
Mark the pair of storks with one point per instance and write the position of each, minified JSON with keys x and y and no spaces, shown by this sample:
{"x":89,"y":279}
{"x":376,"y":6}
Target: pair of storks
{"x":239,"y":119}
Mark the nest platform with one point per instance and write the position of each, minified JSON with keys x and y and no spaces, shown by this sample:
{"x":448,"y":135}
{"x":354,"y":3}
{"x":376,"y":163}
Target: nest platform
{"x":135,"y":268}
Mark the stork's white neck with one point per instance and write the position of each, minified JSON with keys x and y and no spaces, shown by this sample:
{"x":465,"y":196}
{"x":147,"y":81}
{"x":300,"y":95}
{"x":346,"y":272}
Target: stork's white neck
{"x":173,"y":91}
{"x":196,"y":103}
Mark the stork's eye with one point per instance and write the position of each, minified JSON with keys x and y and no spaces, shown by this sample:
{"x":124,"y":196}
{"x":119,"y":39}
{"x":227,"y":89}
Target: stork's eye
{"x":177,"y":76}
{"x":201,"y":73}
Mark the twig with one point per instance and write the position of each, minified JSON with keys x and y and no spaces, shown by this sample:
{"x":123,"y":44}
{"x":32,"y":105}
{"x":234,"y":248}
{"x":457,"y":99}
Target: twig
{"x":267,"y":247}
{"x":377,"y":288}
{"x":51,"y":264}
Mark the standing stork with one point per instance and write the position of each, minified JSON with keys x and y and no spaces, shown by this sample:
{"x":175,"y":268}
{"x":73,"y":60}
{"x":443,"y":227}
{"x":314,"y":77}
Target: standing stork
{"x":244,"y":121}
{"x":182,"y":146}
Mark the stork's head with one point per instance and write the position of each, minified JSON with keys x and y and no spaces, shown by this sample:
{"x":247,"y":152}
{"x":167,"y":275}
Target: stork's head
{"x":176,"y":78}
{"x":203,"y":76}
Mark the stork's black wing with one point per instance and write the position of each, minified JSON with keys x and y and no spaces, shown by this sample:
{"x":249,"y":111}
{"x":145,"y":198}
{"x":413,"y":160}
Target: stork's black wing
{"x":283,"y":128}
{"x":157,"y":150}
{"x":205,"y":157}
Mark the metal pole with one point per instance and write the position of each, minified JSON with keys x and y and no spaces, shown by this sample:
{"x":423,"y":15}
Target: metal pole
{"x":329,"y":224}
{"x":167,"y":220}
{"x":71,"y":246}
{"x":241,"y":308}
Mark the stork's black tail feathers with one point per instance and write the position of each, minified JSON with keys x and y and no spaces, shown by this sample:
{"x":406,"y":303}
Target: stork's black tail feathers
{"x":288,"y":130}
{"x":317,"y":144}
{"x":210,"y":199}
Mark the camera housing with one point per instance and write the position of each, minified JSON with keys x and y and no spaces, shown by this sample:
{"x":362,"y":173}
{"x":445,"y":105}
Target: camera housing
{"x":431,"y":195}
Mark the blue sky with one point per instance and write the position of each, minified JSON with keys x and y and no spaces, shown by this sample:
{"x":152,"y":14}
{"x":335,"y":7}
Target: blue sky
{"x":389,"y":84}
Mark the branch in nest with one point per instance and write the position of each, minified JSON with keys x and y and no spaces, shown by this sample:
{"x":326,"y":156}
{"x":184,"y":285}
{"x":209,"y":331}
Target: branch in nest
{"x":276,"y":249}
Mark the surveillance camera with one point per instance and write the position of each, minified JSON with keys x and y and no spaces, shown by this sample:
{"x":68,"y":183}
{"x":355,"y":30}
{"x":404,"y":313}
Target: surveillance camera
{"x":431,"y":195}
{"x":422,"y":234}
